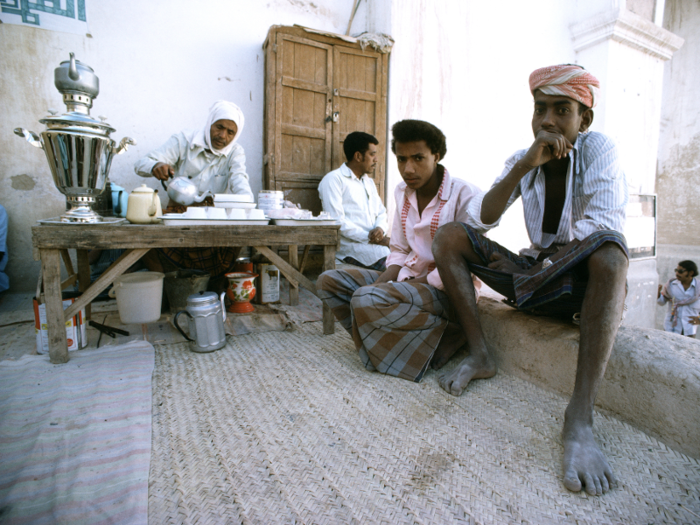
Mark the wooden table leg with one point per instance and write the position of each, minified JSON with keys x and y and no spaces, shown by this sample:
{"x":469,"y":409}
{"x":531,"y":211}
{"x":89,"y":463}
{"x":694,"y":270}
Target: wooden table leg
{"x":84,"y":278}
{"x":328,"y":264}
{"x":55,"y":324}
{"x":293,"y":288}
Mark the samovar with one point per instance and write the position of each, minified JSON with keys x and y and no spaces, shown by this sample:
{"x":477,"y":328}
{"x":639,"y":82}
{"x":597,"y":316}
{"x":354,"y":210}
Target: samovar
{"x":78,"y":147}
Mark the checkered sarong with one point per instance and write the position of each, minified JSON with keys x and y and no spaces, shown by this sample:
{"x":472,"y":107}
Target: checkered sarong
{"x":396,"y":327}
{"x":556,"y":291}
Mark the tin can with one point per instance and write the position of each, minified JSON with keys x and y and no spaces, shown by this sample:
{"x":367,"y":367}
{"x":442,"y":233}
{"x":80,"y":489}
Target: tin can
{"x":243,"y":264}
{"x":270,"y":200}
{"x":267,"y":284}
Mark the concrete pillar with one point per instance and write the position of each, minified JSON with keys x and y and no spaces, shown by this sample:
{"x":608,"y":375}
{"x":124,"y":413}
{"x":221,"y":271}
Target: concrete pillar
{"x":627,"y":52}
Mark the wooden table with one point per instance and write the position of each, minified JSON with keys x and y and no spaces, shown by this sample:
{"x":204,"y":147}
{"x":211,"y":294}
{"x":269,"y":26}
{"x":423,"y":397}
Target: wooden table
{"x":51,"y":241}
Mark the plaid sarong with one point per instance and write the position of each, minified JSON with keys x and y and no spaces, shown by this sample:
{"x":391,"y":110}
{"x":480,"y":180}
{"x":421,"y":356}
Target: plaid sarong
{"x":396,"y":327}
{"x":556,"y":291}
{"x":379,"y":265}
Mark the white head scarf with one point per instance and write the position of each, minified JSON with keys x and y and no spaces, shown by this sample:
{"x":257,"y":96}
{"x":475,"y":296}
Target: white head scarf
{"x":223,"y":110}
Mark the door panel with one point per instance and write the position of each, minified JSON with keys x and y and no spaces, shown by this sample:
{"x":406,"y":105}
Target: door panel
{"x":358,"y":100}
{"x":303,"y":147}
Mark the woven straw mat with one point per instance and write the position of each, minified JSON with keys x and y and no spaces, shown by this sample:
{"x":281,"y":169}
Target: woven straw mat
{"x":290,"y":428}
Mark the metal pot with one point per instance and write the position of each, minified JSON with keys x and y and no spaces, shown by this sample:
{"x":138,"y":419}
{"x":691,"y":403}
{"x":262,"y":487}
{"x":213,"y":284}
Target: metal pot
{"x":77,"y":147}
{"x":184,"y":191}
{"x":206,"y":314}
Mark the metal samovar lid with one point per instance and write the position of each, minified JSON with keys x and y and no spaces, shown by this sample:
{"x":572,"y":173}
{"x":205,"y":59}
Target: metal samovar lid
{"x":79,"y":86}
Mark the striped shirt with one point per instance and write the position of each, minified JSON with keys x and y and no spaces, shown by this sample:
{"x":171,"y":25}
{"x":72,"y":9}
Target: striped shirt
{"x":596,"y":195}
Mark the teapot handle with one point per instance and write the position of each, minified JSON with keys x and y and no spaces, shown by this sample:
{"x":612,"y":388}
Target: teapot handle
{"x":153,"y":209}
{"x":223,"y":307}
{"x":178,"y":326}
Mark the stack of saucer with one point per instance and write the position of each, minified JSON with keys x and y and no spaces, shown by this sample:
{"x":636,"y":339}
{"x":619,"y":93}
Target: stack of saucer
{"x":224,"y":200}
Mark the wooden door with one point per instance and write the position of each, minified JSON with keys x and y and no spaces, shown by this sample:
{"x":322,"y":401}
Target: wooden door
{"x":318,"y":88}
{"x":359,"y":102}
{"x":303,"y":102}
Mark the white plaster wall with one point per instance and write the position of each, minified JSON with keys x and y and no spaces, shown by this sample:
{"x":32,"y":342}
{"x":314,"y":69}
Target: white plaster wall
{"x":464,"y":66}
{"x":678,"y":178}
{"x":630,"y":108}
{"x":161,"y":65}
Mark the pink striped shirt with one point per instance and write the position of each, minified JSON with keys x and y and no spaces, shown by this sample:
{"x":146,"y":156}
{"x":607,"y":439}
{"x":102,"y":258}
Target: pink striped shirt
{"x":412,"y":233}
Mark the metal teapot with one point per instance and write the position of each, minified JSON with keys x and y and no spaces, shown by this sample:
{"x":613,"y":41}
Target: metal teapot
{"x":184,"y":191}
{"x":206,"y":314}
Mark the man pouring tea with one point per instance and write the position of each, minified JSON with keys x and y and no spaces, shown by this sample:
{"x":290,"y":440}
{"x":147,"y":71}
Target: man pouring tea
{"x":212,"y":159}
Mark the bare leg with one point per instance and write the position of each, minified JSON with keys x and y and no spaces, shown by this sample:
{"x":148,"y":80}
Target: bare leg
{"x":452,"y":249}
{"x":452,"y":340}
{"x":584,"y":463}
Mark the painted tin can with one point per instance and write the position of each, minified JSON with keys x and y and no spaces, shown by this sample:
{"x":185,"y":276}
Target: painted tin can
{"x":267,"y":283}
{"x":243,"y":264}
{"x":270,"y":200}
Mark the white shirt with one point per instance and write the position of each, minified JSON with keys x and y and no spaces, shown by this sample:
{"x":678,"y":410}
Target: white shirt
{"x":188,"y":154}
{"x":679,"y":293}
{"x":356,"y":205}
{"x":596,"y":195}
{"x":412,"y":233}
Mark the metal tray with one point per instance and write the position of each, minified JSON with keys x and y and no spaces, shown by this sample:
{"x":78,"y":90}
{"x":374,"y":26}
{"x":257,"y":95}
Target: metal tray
{"x":106,"y":221}
{"x":304,"y":222}
{"x":188,"y":221}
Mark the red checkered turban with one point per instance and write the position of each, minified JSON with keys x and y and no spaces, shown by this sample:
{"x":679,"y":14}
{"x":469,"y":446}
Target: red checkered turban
{"x":566,"y":80}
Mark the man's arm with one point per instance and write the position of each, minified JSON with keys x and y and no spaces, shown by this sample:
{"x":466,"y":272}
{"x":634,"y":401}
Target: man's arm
{"x":331,"y":192}
{"x":161,"y":162}
{"x":238,"y":183}
{"x":547,"y":146}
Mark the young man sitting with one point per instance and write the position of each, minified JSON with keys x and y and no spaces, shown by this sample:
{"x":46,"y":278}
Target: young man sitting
{"x":574,"y":196}
{"x":401,"y":320}
{"x":350,"y":196}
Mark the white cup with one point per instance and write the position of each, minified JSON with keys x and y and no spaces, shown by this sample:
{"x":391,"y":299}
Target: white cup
{"x":255,"y":214}
{"x":194,"y":212}
{"x":237,"y":214}
{"x":216,"y":213}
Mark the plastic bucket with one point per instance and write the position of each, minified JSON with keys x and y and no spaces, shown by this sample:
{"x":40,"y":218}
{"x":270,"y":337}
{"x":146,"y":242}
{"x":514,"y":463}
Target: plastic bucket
{"x":180,"y":284}
{"x":139,"y":297}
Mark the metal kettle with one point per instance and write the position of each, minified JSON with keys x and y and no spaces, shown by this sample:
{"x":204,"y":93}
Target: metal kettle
{"x":206,"y":314}
{"x":185,"y":192}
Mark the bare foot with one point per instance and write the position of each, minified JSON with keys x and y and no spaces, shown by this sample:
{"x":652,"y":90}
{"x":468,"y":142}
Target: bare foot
{"x":585,"y":466}
{"x":472,"y":367}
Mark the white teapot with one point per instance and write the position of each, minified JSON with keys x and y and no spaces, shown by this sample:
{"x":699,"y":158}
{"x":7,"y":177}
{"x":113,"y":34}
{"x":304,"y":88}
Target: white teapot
{"x":143,"y":206}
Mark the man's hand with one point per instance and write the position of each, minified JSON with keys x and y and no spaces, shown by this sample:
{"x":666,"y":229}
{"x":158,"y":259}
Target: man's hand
{"x":694,"y":320}
{"x":663,"y":291}
{"x":501,"y":263}
{"x":162,"y":171}
{"x":376,"y":236}
{"x":547,"y":146}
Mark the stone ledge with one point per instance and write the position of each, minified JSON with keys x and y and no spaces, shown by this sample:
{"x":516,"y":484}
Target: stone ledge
{"x":652,"y":380}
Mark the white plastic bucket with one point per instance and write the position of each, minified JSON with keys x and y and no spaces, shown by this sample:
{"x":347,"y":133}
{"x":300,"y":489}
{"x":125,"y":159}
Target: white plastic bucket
{"x":139,"y":296}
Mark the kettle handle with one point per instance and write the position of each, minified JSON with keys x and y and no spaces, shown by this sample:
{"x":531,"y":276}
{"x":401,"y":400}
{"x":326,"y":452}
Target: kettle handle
{"x":177,"y":326}
{"x":118,"y":207}
{"x":223,"y":307}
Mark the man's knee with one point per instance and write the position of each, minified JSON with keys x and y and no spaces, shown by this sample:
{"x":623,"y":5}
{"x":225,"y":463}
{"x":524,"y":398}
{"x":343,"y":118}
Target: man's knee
{"x":449,"y":238}
{"x":610,"y":260}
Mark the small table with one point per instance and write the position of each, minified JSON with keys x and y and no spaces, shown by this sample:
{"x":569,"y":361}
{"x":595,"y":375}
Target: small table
{"x":50,"y":241}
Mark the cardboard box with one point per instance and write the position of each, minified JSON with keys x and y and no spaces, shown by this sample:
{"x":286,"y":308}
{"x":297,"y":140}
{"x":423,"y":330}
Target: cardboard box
{"x":76,"y":335}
